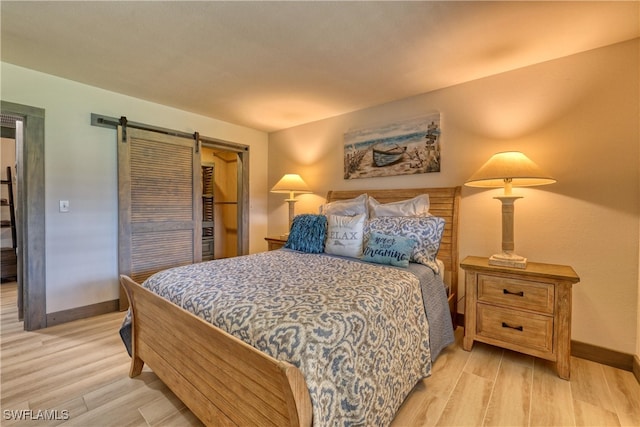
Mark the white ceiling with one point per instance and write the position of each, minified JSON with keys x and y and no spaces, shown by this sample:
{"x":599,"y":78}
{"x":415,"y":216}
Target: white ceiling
{"x":274,"y":65}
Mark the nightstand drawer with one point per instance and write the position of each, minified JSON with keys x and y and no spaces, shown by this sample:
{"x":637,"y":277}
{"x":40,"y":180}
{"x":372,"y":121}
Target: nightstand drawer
{"x":533,"y":331}
{"x":529,"y":295}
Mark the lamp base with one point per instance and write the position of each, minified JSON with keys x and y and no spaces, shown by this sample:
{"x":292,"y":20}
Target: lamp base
{"x":508,"y":260}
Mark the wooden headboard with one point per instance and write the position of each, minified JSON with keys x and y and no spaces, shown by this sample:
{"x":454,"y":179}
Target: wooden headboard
{"x":444,"y":203}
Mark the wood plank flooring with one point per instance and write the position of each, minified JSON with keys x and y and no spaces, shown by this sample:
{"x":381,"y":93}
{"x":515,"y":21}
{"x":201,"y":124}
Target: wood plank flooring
{"x":77,"y":374}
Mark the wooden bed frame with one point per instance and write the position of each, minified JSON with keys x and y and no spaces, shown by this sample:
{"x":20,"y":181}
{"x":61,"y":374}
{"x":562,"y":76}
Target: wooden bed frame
{"x":225,"y":381}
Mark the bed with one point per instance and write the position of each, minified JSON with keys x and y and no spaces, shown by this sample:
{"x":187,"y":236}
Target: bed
{"x":308,"y":363}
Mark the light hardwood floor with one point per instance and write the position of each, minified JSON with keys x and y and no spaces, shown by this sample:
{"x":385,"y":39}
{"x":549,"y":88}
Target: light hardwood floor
{"x":78,"y":372}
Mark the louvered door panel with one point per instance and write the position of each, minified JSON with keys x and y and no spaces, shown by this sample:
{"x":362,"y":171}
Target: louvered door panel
{"x":159,"y":196}
{"x":161,"y":182}
{"x":152,"y":252}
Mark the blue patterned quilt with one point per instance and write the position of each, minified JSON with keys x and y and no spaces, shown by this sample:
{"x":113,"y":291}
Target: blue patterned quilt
{"x":357,"y":331}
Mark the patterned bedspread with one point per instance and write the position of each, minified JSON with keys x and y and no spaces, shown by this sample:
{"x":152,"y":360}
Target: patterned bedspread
{"x":357,"y":331}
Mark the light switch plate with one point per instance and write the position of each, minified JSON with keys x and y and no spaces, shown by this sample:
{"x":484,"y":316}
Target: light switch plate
{"x":64,"y":206}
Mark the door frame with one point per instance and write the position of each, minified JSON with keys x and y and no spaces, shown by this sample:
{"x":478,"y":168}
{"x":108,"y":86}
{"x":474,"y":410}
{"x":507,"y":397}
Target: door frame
{"x":30,"y":226}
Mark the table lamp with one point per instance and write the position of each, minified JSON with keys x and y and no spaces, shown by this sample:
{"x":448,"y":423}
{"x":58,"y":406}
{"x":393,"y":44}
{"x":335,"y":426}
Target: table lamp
{"x":291,"y":183}
{"x":509,"y":169}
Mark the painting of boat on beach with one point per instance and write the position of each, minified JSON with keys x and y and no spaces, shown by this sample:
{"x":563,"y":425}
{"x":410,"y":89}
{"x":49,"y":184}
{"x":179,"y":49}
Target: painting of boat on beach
{"x":401,"y":148}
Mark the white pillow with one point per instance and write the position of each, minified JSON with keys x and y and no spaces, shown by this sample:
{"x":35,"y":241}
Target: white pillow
{"x":418,"y":206}
{"x":350,"y":207}
{"x":345,"y":235}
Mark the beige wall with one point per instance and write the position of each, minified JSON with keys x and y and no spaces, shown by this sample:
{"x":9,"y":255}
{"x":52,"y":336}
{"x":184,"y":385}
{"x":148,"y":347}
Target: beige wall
{"x":80,"y":166}
{"x":577,"y":117}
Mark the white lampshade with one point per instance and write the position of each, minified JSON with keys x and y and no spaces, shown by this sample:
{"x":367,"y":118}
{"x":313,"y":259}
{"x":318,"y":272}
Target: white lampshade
{"x":291,"y":183}
{"x":509,"y":167}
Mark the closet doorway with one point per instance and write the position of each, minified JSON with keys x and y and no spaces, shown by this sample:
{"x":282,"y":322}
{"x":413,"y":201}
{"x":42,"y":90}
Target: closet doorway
{"x":224,"y":197}
{"x":219,"y":204}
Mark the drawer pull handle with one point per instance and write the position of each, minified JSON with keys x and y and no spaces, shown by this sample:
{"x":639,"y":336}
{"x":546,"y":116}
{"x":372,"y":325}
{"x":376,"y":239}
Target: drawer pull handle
{"x":508,"y":292}
{"x":518,"y":328}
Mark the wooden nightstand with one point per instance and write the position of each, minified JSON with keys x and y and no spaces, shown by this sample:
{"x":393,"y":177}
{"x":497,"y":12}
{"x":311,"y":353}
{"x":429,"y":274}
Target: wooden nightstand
{"x":526,"y":310}
{"x":275,"y":242}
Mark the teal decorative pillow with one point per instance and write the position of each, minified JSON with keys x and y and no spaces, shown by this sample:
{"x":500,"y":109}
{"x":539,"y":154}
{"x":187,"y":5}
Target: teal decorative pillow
{"x":307,"y":233}
{"x":390,"y":250}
